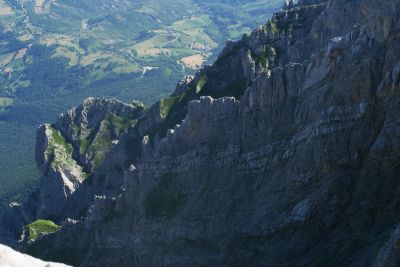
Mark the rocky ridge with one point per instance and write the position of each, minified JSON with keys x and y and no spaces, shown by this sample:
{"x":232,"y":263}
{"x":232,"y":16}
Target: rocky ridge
{"x":284,"y":152}
{"x":68,"y":153}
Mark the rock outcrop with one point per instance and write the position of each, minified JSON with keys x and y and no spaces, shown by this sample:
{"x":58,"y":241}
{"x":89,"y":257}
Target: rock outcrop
{"x":71,"y":149}
{"x":284,"y":152}
{"x":68,"y":154}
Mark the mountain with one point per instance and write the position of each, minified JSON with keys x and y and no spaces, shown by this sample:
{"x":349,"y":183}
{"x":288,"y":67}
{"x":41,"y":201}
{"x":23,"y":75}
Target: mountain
{"x":54,"y":54}
{"x":284,"y":152}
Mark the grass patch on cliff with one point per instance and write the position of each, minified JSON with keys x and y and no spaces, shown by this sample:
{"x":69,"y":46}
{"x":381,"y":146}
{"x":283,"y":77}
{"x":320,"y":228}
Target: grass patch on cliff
{"x":178,"y":103}
{"x":267,"y":57}
{"x":271,"y":27}
{"x":100,"y":147}
{"x":58,"y":149}
{"x":39,"y":227}
{"x":60,"y":153}
{"x":58,"y":139}
{"x":120,"y":124}
{"x":166,"y":105}
{"x":101,"y":139}
{"x":201,"y":83}
{"x":161,"y":202}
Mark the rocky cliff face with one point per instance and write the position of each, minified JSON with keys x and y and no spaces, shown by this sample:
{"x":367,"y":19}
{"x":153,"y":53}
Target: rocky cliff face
{"x":69,"y":151}
{"x":285,"y":152}
{"x":68,"y":154}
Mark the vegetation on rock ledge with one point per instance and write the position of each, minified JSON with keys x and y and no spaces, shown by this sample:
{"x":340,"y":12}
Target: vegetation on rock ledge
{"x":40,"y":227}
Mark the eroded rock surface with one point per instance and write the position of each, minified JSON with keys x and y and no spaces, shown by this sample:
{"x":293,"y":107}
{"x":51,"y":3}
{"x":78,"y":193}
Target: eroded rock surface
{"x":284,"y":152}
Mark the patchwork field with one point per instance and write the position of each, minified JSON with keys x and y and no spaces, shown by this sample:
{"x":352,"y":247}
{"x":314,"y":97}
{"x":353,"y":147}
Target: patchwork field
{"x":193,"y":62}
{"x":43,"y":6}
{"x":5,"y":9}
{"x":6,"y":59}
{"x":184,"y":37}
{"x":21,"y":53}
{"x":5,"y":102}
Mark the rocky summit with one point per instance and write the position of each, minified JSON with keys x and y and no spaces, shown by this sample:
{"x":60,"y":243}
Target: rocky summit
{"x":284,"y":152}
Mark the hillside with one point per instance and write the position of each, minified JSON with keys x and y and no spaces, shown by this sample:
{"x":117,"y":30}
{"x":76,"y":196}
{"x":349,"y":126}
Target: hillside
{"x":54,"y":54}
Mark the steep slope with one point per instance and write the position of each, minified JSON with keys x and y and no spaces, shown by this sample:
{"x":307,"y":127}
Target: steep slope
{"x":68,"y":153}
{"x":55,"y":53}
{"x":71,"y":149}
{"x":296,"y":165}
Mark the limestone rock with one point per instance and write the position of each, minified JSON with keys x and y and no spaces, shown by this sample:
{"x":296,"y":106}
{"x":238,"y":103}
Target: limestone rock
{"x":284,"y":152}
{"x":11,"y":258}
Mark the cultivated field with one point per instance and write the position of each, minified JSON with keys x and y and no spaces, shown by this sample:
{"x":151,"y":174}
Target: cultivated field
{"x":7,"y":59}
{"x":5,"y":9}
{"x":43,"y":6}
{"x":186,"y":39}
{"x":21,"y":53}
{"x":5,"y":102}
{"x":193,"y":62}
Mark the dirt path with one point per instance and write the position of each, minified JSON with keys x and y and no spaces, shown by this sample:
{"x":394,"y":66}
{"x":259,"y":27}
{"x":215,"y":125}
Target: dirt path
{"x":170,"y":42}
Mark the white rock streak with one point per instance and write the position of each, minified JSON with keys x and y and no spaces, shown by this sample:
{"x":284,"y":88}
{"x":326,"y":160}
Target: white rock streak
{"x":12,"y":258}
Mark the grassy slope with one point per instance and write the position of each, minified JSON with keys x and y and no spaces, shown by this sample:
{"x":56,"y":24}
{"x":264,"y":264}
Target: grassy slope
{"x":35,"y":229}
